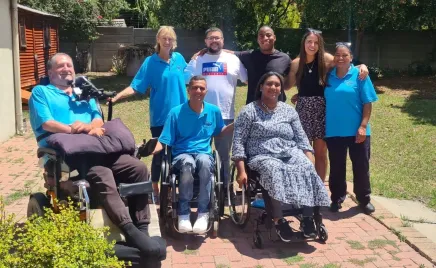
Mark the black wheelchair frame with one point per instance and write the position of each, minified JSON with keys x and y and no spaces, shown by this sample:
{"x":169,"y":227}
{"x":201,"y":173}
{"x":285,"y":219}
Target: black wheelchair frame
{"x":247,"y":194}
{"x":169,"y":197}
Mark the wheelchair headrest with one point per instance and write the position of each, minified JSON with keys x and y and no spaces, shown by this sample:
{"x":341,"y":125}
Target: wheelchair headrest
{"x":44,"y":80}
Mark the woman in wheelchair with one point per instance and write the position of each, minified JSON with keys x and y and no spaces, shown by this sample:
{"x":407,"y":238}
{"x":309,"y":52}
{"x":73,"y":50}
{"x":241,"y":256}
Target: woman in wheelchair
{"x":270,"y":139}
{"x":188,"y":130}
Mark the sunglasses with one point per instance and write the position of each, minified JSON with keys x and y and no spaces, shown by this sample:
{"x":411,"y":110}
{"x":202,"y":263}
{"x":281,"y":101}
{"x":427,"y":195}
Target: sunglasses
{"x":310,"y":30}
{"x":346,"y":44}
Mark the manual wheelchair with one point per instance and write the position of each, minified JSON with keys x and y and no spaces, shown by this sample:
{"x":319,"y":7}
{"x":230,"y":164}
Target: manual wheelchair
{"x":169,"y":183}
{"x":240,"y":200}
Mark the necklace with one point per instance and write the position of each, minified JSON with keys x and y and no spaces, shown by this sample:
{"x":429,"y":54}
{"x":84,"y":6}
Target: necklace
{"x":268,"y":110}
{"x":310,"y":69}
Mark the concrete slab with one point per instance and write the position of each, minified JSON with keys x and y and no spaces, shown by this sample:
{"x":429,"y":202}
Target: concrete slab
{"x":414,"y":211}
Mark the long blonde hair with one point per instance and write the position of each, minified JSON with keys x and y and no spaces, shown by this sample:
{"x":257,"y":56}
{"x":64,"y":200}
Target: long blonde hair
{"x":166,"y":30}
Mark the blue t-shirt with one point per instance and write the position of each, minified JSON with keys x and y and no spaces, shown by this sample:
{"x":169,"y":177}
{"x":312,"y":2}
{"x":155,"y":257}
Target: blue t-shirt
{"x":167,"y":84}
{"x":345,"y":98}
{"x":189,"y":132}
{"x":50,"y":103}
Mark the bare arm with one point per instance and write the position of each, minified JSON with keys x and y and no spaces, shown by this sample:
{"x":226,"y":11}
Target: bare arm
{"x":361,"y":132}
{"x":291,"y":79}
{"x":330,"y":64}
{"x":159,"y":147}
{"x":56,"y":127}
{"x":329,"y":61}
{"x":227,"y":129}
{"x":128,"y":91}
{"x":367,"y":109}
{"x":241,"y":176}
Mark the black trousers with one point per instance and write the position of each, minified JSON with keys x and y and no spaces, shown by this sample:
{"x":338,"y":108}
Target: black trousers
{"x":359,"y":155}
{"x":130,"y":254}
{"x":104,"y":175}
{"x":156,"y":162}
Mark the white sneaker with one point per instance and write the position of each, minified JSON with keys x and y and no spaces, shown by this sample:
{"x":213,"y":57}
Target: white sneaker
{"x":185,"y":225}
{"x":200,"y":226}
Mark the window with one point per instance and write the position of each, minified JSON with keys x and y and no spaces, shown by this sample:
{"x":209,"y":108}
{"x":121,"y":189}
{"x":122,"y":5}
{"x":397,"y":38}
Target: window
{"x":47,"y":41}
{"x":22,"y":32}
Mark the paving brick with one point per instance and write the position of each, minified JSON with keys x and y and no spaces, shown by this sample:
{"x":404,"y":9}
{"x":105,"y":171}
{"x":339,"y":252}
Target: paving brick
{"x":234,"y":248}
{"x":221,"y":260}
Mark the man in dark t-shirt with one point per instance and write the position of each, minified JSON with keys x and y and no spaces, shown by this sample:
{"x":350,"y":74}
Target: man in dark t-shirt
{"x":260,"y":61}
{"x":263,"y":60}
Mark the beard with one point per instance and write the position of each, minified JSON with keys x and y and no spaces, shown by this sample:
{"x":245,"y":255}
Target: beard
{"x":212,"y":50}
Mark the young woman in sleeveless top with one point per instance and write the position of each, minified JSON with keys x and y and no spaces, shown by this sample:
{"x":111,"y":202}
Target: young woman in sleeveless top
{"x":308,"y":73}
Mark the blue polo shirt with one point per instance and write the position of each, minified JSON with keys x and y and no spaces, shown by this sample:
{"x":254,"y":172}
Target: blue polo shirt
{"x":189,"y":132}
{"x":167,"y":85}
{"x":345,"y":98}
{"x":50,"y":103}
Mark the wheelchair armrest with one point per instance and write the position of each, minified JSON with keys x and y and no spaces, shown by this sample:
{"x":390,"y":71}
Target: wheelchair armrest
{"x":131,"y":189}
{"x":48,"y":151}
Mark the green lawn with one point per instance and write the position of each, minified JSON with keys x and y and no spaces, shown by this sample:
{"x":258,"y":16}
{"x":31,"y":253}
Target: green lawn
{"x":403,"y":153}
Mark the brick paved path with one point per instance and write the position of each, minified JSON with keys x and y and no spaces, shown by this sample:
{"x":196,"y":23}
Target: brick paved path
{"x":355,"y":240}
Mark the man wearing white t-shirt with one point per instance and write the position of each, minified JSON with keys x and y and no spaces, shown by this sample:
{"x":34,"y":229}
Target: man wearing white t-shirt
{"x":222,"y":71}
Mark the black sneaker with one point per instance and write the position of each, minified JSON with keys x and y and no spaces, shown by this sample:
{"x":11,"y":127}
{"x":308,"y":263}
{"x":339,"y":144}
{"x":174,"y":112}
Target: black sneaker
{"x":283,"y":230}
{"x":308,"y":226}
{"x":335,"y":207}
{"x":368,"y":208}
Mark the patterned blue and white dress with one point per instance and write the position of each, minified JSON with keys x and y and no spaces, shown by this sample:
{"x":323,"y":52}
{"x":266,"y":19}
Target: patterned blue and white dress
{"x":273,"y":144}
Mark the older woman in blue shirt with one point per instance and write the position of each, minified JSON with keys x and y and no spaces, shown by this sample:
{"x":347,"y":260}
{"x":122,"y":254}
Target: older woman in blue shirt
{"x":163,"y":73}
{"x":348,"y":109}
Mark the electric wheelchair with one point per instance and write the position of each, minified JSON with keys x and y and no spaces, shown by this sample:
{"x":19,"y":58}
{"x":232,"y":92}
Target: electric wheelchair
{"x":169,"y":183}
{"x":62,"y":183}
{"x":240,"y":200}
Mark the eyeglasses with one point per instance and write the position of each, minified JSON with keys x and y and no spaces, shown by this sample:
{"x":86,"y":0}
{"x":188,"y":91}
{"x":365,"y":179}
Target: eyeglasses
{"x":346,"y":44}
{"x":310,"y":30}
{"x":214,"y":38}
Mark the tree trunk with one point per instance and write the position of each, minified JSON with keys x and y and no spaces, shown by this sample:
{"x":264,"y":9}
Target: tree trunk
{"x":359,"y":38}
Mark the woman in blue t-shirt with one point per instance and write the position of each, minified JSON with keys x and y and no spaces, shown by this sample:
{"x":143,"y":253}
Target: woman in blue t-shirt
{"x":162,"y":72}
{"x":348,"y":109}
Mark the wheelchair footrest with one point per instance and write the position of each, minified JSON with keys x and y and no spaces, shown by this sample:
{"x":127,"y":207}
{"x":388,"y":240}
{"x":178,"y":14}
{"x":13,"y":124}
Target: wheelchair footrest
{"x":131,"y":189}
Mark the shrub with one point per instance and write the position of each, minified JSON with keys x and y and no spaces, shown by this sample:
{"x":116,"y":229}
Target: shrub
{"x":119,"y":64}
{"x":55,"y":240}
{"x":419,"y":68}
{"x":7,"y":235}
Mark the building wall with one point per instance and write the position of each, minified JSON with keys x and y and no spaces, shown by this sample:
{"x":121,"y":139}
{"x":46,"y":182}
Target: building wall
{"x":386,"y":49}
{"x":7,"y":103}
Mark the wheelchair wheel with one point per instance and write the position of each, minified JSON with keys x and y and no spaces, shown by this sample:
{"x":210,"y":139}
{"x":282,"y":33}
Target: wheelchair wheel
{"x":37,"y":203}
{"x":219,"y":186}
{"x":164,"y":188}
{"x":238,"y":200}
{"x":323,"y":234}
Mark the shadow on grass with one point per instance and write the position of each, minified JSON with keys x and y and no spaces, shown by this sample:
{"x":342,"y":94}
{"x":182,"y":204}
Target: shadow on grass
{"x":420,"y":95}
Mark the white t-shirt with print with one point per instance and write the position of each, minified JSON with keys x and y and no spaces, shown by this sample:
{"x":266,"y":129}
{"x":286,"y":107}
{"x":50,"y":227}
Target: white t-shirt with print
{"x":222,"y":73}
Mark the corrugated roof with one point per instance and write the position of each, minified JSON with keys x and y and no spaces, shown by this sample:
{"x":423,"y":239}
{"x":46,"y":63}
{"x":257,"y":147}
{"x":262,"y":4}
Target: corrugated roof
{"x":36,"y":11}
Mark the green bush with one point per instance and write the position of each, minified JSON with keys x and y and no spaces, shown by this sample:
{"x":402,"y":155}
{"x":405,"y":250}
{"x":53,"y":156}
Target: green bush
{"x":419,"y":68}
{"x":55,"y":240}
{"x":7,"y":235}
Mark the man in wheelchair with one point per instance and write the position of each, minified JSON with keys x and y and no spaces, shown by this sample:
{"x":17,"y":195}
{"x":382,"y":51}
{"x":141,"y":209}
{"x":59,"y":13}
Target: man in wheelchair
{"x":188,"y":130}
{"x":55,"y":109}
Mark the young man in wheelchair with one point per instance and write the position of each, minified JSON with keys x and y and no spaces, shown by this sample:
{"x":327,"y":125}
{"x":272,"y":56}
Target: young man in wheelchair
{"x":55,"y":109}
{"x":188,"y":130}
